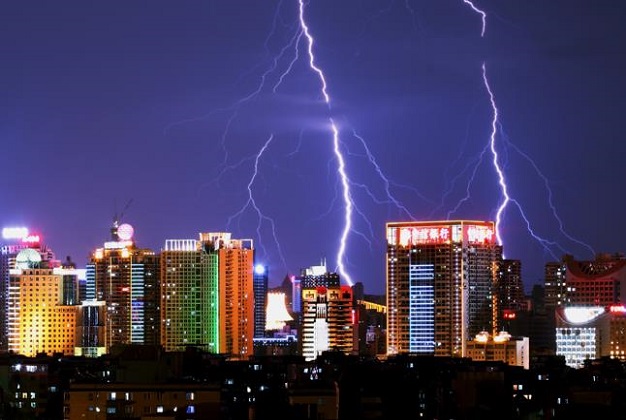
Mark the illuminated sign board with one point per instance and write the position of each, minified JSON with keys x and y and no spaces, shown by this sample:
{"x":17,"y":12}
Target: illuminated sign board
{"x":479,"y":234}
{"x":582,"y":314}
{"x":424,"y":235}
{"x":20,"y":233}
{"x":617,"y":309}
{"x":14,"y":232}
{"x":117,"y":245}
{"x":472,"y":234}
{"x":508,"y":314}
{"x":31,"y":239}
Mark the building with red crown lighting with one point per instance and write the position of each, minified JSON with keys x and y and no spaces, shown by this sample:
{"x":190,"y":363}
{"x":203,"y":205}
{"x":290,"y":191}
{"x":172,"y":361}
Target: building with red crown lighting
{"x":441,"y":278}
{"x":598,"y":282}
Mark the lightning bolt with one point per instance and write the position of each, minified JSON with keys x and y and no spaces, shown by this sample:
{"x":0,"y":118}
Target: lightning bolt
{"x":482,"y":13}
{"x":341,"y":169}
{"x":496,"y":128}
{"x":349,"y":205}
{"x":549,"y":192}
{"x":494,"y":153}
{"x":252,"y":203}
{"x":387,"y":183}
{"x":299,"y":44}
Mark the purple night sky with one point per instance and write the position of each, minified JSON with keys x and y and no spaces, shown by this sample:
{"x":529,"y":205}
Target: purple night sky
{"x":166,"y":105}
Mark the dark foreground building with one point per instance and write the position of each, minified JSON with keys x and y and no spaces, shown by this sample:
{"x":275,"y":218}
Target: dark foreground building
{"x":145,"y":382}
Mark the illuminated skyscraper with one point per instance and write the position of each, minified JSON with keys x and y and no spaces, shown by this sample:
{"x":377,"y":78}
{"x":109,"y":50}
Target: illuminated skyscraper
{"x":38,"y":321}
{"x":235,"y":259}
{"x":127,"y":279}
{"x":440,"y":285}
{"x":327,"y":313}
{"x":17,"y":239}
{"x":189,"y":296}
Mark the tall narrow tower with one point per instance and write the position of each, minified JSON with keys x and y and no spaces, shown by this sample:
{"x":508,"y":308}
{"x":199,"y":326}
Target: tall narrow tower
{"x":440,"y":285}
{"x":260,"y":299}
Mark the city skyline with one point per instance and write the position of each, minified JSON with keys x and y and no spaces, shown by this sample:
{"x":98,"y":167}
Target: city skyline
{"x":182,"y":118}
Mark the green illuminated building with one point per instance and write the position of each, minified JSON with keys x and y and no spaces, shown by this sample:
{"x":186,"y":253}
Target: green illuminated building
{"x":189,"y":296}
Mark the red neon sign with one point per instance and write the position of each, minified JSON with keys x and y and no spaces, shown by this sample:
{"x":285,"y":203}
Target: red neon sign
{"x":509,"y":314}
{"x":424,"y":235}
{"x":31,"y":239}
{"x":479,"y":234}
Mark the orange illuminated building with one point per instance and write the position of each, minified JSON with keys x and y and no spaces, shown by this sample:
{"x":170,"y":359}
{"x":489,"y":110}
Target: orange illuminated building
{"x":235,"y":261}
{"x":38,"y":322}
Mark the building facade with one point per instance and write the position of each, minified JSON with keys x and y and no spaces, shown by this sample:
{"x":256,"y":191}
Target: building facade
{"x":189,"y":296}
{"x":38,"y":321}
{"x":440,"y":285}
{"x":260,"y":280}
{"x":327,"y":313}
{"x":127,"y":279}
{"x":514,"y":351}
{"x":600,"y":282}
{"x":91,"y":329}
{"x":235,"y":265}
{"x":16,"y":239}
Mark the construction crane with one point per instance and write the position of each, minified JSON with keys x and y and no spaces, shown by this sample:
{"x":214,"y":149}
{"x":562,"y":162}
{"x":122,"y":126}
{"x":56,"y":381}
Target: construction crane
{"x":117,"y":218}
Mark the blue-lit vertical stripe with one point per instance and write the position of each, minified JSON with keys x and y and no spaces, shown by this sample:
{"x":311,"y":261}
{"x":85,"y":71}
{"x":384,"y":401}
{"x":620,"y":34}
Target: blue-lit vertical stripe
{"x":137,"y":303}
{"x":421,"y":308}
{"x":90,"y":281}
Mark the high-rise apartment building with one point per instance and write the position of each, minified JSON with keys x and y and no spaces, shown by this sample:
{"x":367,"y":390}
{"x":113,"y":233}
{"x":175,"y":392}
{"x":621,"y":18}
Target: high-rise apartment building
{"x":327,"y":313}
{"x":127,"y":279}
{"x":235,"y":259}
{"x":189,"y":296}
{"x":440,"y":285}
{"x":38,"y":319}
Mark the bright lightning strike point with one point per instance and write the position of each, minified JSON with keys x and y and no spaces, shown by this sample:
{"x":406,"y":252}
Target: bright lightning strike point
{"x":347,"y":198}
{"x":347,"y":202}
